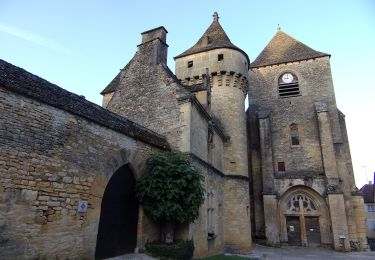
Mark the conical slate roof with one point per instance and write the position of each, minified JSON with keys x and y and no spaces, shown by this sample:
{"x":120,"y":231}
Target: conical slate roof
{"x":368,"y":193}
{"x":284,"y":48}
{"x":214,"y":38}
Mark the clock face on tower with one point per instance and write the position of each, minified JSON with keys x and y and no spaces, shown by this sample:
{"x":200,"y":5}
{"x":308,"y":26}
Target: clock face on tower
{"x":287,"y":78}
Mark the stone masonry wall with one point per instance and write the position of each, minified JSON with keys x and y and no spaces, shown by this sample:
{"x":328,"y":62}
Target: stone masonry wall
{"x":199,"y":134}
{"x":229,"y":81}
{"x":237,"y":228}
{"x":205,"y":245}
{"x":310,"y":163}
{"x":147,"y":95}
{"x":233,"y":61}
{"x":315,"y":83}
{"x":50,"y":159}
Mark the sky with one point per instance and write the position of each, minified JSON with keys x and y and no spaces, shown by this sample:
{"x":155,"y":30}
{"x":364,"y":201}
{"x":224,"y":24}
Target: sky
{"x":82,"y":45}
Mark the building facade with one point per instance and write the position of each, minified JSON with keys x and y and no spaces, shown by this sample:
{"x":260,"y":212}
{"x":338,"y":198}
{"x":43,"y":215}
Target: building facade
{"x":368,"y":192}
{"x":280,"y":171}
{"x":302,"y":178}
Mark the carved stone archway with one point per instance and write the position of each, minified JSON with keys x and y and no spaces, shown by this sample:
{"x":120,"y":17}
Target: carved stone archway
{"x":304,"y":218}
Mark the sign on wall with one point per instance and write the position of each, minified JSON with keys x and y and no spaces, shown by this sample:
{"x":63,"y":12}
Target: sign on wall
{"x":82,"y":206}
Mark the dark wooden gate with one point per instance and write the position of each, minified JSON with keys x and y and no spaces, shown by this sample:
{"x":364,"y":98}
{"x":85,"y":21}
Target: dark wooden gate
{"x":293,"y":230}
{"x":312,"y":230}
{"x":117,"y":232}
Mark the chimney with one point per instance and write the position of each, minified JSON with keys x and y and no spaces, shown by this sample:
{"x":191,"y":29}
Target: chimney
{"x":156,"y":37}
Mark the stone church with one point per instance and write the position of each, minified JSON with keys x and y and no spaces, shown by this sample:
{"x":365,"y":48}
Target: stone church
{"x":279,"y":171}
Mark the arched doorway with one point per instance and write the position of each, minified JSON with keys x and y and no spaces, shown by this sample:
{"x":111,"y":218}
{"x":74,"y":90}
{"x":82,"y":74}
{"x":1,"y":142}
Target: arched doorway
{"x":304,"y":218}
{"x":117,"y":233}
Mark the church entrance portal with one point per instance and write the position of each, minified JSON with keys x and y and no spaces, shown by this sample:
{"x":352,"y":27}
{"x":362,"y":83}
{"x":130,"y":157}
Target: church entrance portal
{"x":117,"y":233}
{"x":304,"y":218}
{"x":296,"y":235}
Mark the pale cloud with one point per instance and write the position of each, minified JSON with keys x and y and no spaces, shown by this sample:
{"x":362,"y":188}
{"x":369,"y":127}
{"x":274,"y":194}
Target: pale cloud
{"x":34,"y":38}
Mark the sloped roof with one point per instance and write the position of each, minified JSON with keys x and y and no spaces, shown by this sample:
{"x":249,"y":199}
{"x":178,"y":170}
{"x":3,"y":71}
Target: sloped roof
{"x":112,"y":86}
{"x":284,"y":48}
{"x":214,"y":38}
{"x":24,"y":83}
{"x":368,"y":193}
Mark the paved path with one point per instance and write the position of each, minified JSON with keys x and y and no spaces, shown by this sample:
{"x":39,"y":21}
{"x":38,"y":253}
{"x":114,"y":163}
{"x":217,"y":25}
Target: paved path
{"x":309,"y":253}
{"x":133,"y":257}
{"x":284,"y":253}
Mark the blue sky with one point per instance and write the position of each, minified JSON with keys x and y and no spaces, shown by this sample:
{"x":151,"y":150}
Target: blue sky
{"x":81,"y":45}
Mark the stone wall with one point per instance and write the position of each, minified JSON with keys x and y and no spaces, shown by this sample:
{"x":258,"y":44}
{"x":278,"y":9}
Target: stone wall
{"x":237,"y":228}
{"x":199,"y":134}
{"x":232,"y":61}
{"x":212,"y":208}
{"x":217,"y":152}
{"x":229,"y":82}
{"x":51,"y":159}
{"x":315,"y":83}
{"x":321,"y":160}
{"x":147,"y":94}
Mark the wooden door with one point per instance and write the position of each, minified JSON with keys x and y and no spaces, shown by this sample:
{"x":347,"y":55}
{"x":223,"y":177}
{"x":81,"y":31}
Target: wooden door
{"x":293,"y":230}
{"x":312,"y":230}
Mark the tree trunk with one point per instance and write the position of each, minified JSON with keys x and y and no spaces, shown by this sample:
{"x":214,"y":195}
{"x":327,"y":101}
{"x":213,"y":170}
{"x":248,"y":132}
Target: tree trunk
{"x":167,"y":232}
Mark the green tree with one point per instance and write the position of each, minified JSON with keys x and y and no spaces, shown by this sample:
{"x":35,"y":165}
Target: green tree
{"x":171,"y":192}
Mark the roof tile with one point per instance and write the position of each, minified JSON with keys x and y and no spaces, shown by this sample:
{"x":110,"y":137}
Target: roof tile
{"x":284,"y":48}
{"x":214,"y":38}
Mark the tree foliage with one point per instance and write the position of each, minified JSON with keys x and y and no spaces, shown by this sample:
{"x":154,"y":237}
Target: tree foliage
{"x":172,"y":190}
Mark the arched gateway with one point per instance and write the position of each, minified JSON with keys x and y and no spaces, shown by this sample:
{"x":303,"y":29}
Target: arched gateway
{"x":304,"y":218}
{"x":117,"y":232}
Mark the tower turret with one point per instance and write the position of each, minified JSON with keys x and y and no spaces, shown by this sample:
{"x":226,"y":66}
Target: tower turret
{"x":226,"y":65}
{"x":228,"y":68}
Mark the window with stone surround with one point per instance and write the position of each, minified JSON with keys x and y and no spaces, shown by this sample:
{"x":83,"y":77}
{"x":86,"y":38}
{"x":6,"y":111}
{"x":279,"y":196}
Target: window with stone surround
{"x":190,"y":64}
{"x":294,"y":136}
{"x":220,"y":57}
{"x":210,"y":216}
{"x":281,"y":166}
{"x":288,"y":85}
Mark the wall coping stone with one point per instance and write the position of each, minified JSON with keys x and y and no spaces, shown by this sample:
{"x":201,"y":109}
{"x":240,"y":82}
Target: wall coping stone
{"x":27,"y":84}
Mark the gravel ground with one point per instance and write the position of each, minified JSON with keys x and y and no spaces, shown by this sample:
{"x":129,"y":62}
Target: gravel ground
{"x":284,"y":253}
{"x":132,"y":256}
{"x":303,"y":253}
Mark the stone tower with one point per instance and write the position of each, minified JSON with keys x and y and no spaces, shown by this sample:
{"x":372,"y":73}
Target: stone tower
{"x":302,"y":177}
{"x":216,"y":71}
{"x":227,"y":66}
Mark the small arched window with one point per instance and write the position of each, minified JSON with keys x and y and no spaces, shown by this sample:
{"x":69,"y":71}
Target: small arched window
{"x":288,"y":85}
{"x":294,"y":134}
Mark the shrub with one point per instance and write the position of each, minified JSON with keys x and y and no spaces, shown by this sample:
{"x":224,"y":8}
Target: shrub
{"x":181,"y":250}
{"x":171,"y":192}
